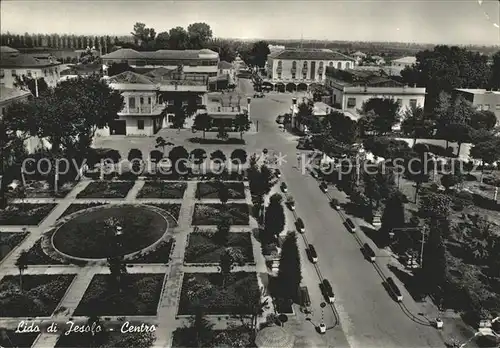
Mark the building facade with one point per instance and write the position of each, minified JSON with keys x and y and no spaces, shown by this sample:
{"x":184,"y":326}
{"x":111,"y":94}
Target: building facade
{"x":203,"y":62}
{"x":481,"y":98}
{"x":296,"y":69}
{"x":151,"y":99}
{"x":351,"y":88}
{"x":14,"y":64}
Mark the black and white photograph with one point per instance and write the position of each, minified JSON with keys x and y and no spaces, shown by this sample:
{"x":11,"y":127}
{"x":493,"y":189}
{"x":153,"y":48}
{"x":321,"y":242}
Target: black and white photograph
{"x":252,"y":174}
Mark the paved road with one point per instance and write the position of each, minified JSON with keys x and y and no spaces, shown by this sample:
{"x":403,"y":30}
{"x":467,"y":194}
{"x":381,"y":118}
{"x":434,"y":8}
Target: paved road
{"x":368,"y":315}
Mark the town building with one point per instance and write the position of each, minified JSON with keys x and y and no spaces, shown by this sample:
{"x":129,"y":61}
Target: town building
{"x":80,"y":70}
{"x":351,"y":88}
{"x":225,"y":78}
{"x":296,"y":69}
{"x":13,"y":63}
{"x":223,"y":108}
{"x":359,"y":56}
{"x":398,"y":65}
{"x":203,"y":62}
{"x":483,"y":99}
{"x":151,"y":98}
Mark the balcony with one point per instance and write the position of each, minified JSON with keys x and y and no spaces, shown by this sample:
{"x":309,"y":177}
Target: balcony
{"x":156,"y":109}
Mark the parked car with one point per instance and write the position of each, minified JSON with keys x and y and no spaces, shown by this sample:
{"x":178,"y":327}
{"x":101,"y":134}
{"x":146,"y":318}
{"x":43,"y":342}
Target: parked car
{"x":350,"y":225}
{"x":369,"y":253}
{"x":312,"y":253}
{"x":300,"y":225}
{"x":328,"y":291}
{"x":305,"y":299}
{"x":277,"y":173}
{"x":324,"y":187}
{"x":284,"y":188}
{"x":322,"y":328}
{"x":335,"y":203}
{"x":394,"y":289}
{"x":280,"y":119}
{"x":258,"y":95}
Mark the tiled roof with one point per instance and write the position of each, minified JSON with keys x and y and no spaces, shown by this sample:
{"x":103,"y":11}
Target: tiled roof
{"x":128,"y":53}
{"x":131,"y":77}
{"x":23,"y":60}
{"x":7,"y":49}
{"x":10,"y":93}
{"x":225,"y":65}
{"x":159,"y":72}
{"x":81,"y":69}
{"x":310,"y":55}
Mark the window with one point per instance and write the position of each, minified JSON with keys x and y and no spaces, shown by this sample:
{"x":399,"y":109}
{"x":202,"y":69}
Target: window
{"x":170,"y":102}
{"x":2,"y":73}
{"x":279,"y":75}
{"x":294,"y":65}
{"x":330,"y":64}
{"x":347,"y":65}
{"x":486,"y":107}
{"x":280,"y":64}
{"x":141,"y":100}
{"x":339,"y":65}
{"x":131,"y":102}
{"x":149,"y":100}
{"x":497,"y":107}
{"x":28,"y":72}
{"x":351,"y":102}
{"x":400,"y":101}
{"x":413,"y":103}
{"x":140,"y":124}
{"x":13,"y":73}
{"x":293,"y":76}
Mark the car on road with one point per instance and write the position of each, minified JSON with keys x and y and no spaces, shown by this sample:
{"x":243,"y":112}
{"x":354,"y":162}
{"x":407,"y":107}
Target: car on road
{"x":280,"y":119}
{"x":258,"y":95}
{"x":305,"y":300}
{"x":322,"y":328}
{"x":335,"y":204}
{"x":350,"y":225}
{"x":324,"y":187}
{"x":277,"y":173}
{"x":328,"y":291}
{"x":283,"y":187}
{"x":394,"y":289}
{"x":369,"y":253}
{"x":312,"y":253}
{"x":300,"y":225}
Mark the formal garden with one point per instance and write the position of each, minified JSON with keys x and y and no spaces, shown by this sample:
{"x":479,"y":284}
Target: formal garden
{"x":25,"y":213}
{"x":236,"y":190}
{"x":162,"y":189}
{"x":10,"y":240}
{"x":107,"y":189}
{"x":207,"y":247}
{"x":207,"y":214}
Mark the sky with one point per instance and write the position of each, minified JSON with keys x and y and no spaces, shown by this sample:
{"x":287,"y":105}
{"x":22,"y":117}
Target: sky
{"x":423,"y":21}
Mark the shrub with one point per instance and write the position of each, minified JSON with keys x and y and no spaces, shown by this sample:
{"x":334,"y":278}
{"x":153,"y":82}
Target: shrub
{"x":156,"y":156}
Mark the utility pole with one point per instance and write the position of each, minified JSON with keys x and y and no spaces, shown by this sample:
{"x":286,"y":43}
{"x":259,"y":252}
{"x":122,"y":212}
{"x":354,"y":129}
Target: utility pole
{"x":422,"y":246}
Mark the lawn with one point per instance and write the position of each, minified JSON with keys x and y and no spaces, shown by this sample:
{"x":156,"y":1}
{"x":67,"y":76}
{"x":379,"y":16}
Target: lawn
{"x":40,"y":296}
{"x":207,"y":290}
{"x":36,"y":256}
{"x":161,"y":254}
{"x":162,"y":189}
{"x":89,"y":235}
{"x":203,"y":248}
{"x":25,"y":213}
{"x":9,"y":240}
{"x":106,"y":189}
{"x":241,"y":336}
{"x":42,"y":189}
{"x":139,"y":296}
{"x":210,"y":190}
{"x":173,"y":209}
{"x":73,"y":208}
{"x":207,"y":214}
{"x":19,"y":340}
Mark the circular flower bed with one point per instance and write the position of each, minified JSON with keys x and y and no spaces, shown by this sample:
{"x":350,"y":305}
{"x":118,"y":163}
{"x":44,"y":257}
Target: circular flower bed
{"x":92,"y":235}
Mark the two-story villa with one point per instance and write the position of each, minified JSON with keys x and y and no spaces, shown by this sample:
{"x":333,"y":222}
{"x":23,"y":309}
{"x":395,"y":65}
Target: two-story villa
{"x":150,"y":99}
{"x":204,"y":62}
{"x":351,"y":88}
{"x":482,"y":99}
{"x":13,"y":63}
{"x":296,"y":69}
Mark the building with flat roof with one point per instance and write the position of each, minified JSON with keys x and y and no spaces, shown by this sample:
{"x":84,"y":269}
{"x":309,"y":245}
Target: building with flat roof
{"x":351,"y":88}
{"x":13,"y":63}
{"x":150,"y":99}
{"x":203,"y":62}
{"x":483,"y":99}
{"x":296,"y":69}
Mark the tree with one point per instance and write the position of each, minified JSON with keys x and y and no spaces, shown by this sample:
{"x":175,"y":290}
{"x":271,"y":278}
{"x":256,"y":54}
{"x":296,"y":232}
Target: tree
{"x":394,"y":214}
{"x":118,"y":68}
{"x":199,"y":34}
{"x":178,"y":157}
{"x":488,"y":151}
{"x":219,"y":157}
{"x":156,"y":155}
{"x":198,"y":157}
{"x":162,"y":40}
{"x":483,"y":120}
{"x":178,"y":38}
{"x":341,"y":127}
{"x":135,"y":157}
{"x":274,"y":220}
{"x":223,"y":192}
{"x":259,"y":52}
{"x":223,"y":227}
{"x":450,"y":180}
{"x":495,"y":72}
{"x":435,"y":206}
{"x":378,"y":186}
{"x":29,"y":84}
{"x":22,"y":265}
{"x":289,"y":272}
{"x":434,"y":266}
{"x":305,"y":116}
{"x":222,"y":132}
{"x":201,"y":328}
{"x":239,"y":157}
{"x":384,"y":113}
{"x":202,"y":122}
{"x":226,"y":264}
{"x":161,"y":142}
{"x":416,"y":123}
{"x":242,"y":124}
{"x":183,"y":110}
{"x":143,"y":36}
{"x":117,"y":269}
